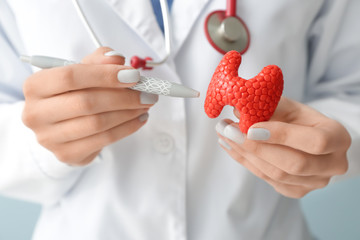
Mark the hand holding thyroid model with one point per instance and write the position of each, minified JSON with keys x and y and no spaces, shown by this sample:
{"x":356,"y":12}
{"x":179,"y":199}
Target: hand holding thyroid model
{"x":256,"y":99}
{"x":296,"y":152}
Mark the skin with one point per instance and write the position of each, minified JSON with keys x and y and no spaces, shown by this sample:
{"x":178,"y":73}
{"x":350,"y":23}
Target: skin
{"x":77,"y":110}
{"x":304,"y":151}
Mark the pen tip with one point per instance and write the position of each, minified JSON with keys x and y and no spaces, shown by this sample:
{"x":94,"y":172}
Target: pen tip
{"x":25,"y":58}
{"x":184,"y":92}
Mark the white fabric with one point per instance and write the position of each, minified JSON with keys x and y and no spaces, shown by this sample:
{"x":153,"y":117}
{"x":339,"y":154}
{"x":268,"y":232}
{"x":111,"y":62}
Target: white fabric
{"x":171,"y":180}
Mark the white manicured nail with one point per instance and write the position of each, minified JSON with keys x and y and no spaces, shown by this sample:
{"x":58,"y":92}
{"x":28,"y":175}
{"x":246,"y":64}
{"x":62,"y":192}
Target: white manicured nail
{"x":113,"y":53}
{"x":258,"y":134}
{"x":148,"y":98}
{"x":234,"y":134}
{"x":128,"y":76}
{"x":143,"y":117}
{"x":224,"y":144}
{"x":220,"y":126}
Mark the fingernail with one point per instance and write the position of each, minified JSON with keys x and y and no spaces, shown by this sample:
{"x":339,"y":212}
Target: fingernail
{"x":234,"y":134}
{"x":224,"y":144}
{"x":258,"y":134}
{"x":143,"y":117}
{"x":128,"y":76}
{"x":113,"y":53}
{"x":220,"y":126}
{"x":148,"y":98}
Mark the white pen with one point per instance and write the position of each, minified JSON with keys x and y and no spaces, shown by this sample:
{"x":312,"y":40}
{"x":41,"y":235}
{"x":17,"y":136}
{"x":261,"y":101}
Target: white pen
{"x":146,"y":84}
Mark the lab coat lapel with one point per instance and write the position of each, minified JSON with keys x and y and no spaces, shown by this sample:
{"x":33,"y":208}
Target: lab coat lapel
{"x":184,"y":14}
{"x":139,"y":16}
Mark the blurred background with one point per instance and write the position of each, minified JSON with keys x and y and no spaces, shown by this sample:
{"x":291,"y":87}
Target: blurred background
{"x":333,"y":213}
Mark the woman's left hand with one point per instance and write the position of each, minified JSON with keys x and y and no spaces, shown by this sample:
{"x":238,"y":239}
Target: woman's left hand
{"x":298,"y":150}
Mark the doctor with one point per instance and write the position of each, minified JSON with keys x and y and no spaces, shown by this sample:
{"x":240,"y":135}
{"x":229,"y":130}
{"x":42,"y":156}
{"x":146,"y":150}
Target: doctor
{"x":108,"y":162}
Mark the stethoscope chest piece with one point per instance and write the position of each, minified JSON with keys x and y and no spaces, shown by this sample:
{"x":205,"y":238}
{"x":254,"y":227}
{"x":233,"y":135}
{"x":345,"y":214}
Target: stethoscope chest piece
{"x":226,"y":33}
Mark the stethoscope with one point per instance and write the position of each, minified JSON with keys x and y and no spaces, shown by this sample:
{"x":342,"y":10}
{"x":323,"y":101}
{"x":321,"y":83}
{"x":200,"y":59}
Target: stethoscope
{"x":224,"y":30}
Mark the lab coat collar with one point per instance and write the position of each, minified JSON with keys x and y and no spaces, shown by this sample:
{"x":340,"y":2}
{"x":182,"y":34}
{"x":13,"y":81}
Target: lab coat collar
{"x":139,"y":16}
{"x":184,"y":14}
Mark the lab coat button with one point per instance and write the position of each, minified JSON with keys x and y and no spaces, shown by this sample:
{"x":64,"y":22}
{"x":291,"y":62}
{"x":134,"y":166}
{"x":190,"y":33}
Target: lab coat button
{"x":163,"y":143}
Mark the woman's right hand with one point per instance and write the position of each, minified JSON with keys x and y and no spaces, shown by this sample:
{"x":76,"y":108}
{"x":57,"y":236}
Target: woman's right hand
{"x":77,"y":110}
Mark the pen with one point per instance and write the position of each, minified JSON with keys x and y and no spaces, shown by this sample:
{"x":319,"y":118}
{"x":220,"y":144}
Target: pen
{"x":146,"y":84}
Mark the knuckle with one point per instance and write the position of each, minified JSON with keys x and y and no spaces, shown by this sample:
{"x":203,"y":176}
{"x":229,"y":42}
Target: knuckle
{"x":95,"y":123}
{"x":278,"y":175}
{"x":263,"y":176}
{"x":320,"y":143}
{"x":347,"y":140}
{"x":44,"y":140}
{"x":29,"y":118}
{"x":63,"y":156}
{"x":278,"y":133}
{"x":83,"y":102}
{"x":66,"y":76}
{"x":109,"y":137}
{"x":323,"y":183}
{"x":253,"y":147}
{"x":344,"y":166}
{"x":240,"y":159}
{"x":298,"y":168}
{"x":299,"y":194}
{"x":256,"y":148}
{"x":28,"y":87}
{"x":89,"y":159}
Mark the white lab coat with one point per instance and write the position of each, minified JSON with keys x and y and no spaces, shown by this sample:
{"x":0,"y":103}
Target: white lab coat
{"x":171,"y":180}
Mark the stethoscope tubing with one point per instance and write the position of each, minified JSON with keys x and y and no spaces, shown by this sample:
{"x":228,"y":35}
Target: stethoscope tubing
{"x":86,"y":23}
{"x":167,"y":31}
{"x":220,"y":30}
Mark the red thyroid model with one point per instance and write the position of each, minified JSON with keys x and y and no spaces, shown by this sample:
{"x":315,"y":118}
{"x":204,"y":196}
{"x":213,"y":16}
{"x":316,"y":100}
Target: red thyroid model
{"x":256,"y":99}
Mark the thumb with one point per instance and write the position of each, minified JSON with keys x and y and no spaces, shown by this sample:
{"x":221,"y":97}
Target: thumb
{"x":286,"y":110}
{"x":104,"y":55}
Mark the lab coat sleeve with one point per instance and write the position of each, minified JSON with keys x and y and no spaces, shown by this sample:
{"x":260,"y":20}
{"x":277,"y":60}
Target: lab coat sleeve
{"x":27,"y":170}
{"x":333,"y":85}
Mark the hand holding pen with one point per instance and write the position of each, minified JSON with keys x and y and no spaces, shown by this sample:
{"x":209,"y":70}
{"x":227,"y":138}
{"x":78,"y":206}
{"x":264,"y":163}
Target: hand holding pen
{"x":146,"y":84}
{"x":77,"y":110}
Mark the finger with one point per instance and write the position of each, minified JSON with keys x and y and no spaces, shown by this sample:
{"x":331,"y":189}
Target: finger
{"x":91,"y":101}
{"x":87,"y":160}
{"x":294,"y":112}
{"x":273,"y":172}
{"x":50,"y":82}
{"x":289,"y":190}
{"x":289,"y":159}
{"x":104,"y":55}
{"x":236,"y":113}
{"x":296,"y":162}
{"x":74,"y":151}
{"x":85,"y":126}
{"x":311,"y":140}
